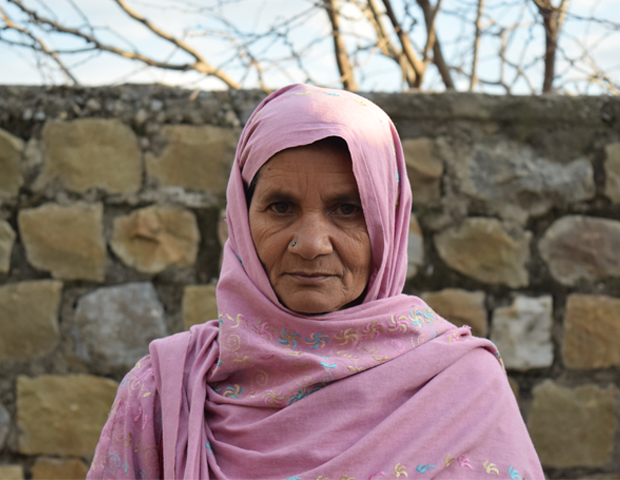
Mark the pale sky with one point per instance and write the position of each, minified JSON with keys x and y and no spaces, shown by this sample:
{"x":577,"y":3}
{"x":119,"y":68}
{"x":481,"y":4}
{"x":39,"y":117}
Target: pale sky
{"x":19,"y":66}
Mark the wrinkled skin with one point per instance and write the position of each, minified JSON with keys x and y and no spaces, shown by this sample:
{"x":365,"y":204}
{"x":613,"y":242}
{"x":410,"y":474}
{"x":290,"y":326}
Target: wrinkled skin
{"x":308,"y":196}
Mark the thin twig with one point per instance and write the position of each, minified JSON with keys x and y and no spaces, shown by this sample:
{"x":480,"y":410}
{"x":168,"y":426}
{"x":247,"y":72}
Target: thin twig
{"x":42,"y":47}
{"x":405,"y":41}
{"x":430,"y":15}
{"x":474,"y":61}
{"x":340,"y":51}
{"x":200,"y":65}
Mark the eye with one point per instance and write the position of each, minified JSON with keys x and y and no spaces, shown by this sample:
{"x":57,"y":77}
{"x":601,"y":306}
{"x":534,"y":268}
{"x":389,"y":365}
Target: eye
{"x":280,"y":207}
{"x":348,"y":209}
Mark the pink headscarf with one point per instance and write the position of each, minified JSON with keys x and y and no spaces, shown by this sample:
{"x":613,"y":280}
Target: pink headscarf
{"x":300,"y":115}
{"x":384,"y":389}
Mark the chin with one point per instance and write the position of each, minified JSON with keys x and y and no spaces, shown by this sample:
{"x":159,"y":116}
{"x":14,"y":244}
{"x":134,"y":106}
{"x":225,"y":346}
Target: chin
{"x":309,"y":309}
{"x":316,"y":302}
{"x":309,"y":306}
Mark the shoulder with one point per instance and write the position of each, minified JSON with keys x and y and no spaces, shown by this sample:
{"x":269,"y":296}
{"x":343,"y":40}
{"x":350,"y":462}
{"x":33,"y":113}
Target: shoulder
{"x":136,"y":393}
{"x":139,"y":381}
{"x":171,"y":356}
{"x":471,"y":362}
{"x":129,"y":446}
{"x":179,"y":343}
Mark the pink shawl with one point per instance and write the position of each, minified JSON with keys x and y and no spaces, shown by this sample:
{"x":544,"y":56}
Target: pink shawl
{"x":385,"y":389}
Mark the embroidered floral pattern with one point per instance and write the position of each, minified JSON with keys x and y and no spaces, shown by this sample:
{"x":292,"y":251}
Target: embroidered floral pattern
{"x":514,"y":473}
{"x":337,"y":352}
{"x":464,"y":462}
{"x":129,"y":439}
{"x":490,"y":467}
{"x":400,"y":470}
{"x":424,"y":468}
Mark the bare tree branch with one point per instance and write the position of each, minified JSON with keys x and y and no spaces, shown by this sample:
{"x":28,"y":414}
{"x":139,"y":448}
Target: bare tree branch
{"x":200,"y":65}
{"x":39,"y":45}
{"x":384,"y":42}
{"x":474,"y":61}
{"x":498,"y":41}
{"x":499,"y":83}
{"x":81,"y":14}
{"x":405,"y":41}
{"x":553,"y":18}
{"x":342,"y":59}
{"x":429,"y":17}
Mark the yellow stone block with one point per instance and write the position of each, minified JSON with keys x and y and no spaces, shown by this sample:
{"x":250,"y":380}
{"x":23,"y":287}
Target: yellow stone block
{"x":199,"y":305}
{"x":62,"y":415}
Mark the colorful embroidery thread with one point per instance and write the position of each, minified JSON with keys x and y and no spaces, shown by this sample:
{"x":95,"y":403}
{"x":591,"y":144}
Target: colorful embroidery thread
{"x":400,"y":470}
{"x":490,"y":467}
{"x":424,"y":468}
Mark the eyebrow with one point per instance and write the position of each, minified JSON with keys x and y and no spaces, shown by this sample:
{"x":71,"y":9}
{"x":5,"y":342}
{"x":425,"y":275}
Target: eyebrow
{"x":278,"y":196}
{"x":282,"y":196}
{"x":346,"y":198}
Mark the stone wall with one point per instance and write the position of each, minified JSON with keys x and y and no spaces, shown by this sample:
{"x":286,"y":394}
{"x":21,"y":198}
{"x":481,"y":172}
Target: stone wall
{"x":111,"y":229}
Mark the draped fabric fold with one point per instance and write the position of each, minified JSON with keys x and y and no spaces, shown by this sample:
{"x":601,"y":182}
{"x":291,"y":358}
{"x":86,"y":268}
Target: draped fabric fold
{"x":443,"y":409}
{"x":383,"y":389}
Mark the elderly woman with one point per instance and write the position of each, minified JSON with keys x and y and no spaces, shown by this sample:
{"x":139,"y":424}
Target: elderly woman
{"x":318,"y":367}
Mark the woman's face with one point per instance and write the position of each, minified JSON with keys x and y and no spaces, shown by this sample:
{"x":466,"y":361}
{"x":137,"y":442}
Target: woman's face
{"x":309,"y":230}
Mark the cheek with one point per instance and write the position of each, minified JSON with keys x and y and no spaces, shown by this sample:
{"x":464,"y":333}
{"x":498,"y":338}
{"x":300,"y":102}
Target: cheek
{"x":265,"y":241}
{"x":358,"y":255}
{"x":367,"y":254}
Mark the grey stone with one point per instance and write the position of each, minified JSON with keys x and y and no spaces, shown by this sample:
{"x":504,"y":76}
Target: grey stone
{"x":114,"y":325}
{"x":577,"y":248}
{"x":156,"y":105}
{"x":522,"y":333}
{"x":93,"y":105}
{"x":415,"y":248}
{"x":514,"y":182}
{"x":231,"y":119}
{"x":470,"y":107}
{"x":33,"y":159}
{"x":5,"y":425}
{"x":141,"y":116}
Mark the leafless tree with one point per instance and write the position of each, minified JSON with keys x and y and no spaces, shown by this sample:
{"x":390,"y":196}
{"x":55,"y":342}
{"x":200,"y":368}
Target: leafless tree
{"x":553,"y":18}
{"x":536,"y":46}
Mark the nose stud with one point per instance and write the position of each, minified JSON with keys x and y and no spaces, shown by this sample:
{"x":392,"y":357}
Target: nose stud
{"x":293,"y":243}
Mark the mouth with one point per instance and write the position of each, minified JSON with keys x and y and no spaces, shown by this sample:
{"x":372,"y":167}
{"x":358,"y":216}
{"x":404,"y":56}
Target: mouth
{"x":310,"y":277}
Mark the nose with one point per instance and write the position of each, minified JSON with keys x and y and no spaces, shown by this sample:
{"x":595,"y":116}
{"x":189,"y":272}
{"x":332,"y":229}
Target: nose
{"x":312,"y":237}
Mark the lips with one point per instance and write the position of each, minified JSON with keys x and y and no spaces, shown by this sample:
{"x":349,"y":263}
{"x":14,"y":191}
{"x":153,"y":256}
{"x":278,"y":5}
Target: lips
{"x":310,"y":277}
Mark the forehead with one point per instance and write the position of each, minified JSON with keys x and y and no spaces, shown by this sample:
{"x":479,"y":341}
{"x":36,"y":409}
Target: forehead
{"x":312,"y":165}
